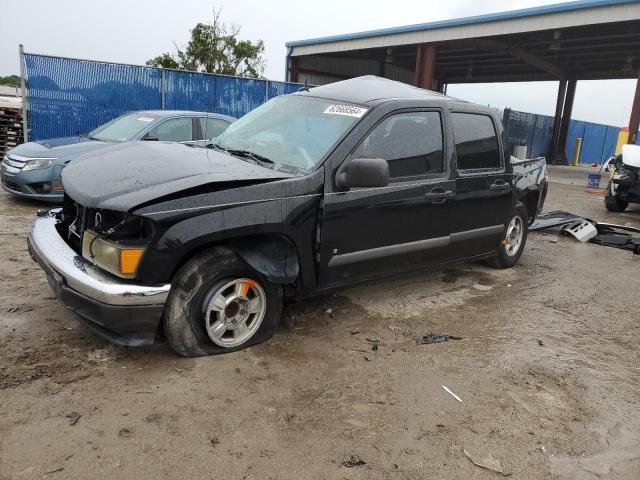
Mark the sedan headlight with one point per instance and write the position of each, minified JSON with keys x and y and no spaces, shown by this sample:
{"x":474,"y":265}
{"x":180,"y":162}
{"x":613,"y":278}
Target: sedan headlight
{"x":37,"y":164}
{"x":113,"y":256}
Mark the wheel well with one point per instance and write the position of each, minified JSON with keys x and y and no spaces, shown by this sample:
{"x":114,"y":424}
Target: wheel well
{"x":273,"y":255}
{"x":530,"y":202}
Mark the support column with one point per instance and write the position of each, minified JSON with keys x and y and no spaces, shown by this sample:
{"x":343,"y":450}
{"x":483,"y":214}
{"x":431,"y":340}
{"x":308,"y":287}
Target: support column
{"x":561,"y":157}
{"x":423,"y":75}
{"x":293,"y":69}
{"x":562,"y":91}
{"x":634,"y":121}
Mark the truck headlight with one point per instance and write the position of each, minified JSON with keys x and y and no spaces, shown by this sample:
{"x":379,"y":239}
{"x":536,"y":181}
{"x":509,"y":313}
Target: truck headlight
{"x":116,"y":257}
{"x":37,"y":164}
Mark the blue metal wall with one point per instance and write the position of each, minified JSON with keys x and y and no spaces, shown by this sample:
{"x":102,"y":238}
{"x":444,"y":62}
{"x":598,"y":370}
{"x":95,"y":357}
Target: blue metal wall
{"x":535,"y":131}
{"x":70,"y":96}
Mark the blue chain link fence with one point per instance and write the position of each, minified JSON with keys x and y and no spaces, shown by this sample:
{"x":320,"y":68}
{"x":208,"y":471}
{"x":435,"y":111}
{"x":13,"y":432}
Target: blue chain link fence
{"x":68,"y":96}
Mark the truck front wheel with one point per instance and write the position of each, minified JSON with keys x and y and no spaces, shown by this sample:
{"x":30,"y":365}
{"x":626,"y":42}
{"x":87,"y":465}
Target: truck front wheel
{"x":514,"y":239}
{"x":612,"y":202}
{"x":219,"y":304}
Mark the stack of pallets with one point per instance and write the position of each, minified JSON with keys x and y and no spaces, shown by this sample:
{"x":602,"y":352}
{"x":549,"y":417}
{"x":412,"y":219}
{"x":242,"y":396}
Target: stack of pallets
{"x":10,"y":129}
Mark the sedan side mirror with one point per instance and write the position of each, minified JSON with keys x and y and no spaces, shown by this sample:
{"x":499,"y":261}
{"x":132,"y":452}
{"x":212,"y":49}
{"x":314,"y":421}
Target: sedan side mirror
{"x":363,"y":173}
{"x":147,"y":138}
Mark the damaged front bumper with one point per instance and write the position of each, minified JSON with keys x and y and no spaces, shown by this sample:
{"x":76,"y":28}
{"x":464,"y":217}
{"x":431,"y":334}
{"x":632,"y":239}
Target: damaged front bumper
{"x":123,"y":312}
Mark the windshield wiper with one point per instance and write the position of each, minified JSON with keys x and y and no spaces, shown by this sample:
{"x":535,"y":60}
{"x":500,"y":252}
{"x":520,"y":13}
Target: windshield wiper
{"x":252,"y":155}
{"x":216,"y":146}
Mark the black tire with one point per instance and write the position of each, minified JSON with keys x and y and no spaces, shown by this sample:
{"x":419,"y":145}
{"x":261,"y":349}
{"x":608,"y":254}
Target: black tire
{"x":614,"y":203}
{"x":193,"y":288}
{"x":502,"y":257}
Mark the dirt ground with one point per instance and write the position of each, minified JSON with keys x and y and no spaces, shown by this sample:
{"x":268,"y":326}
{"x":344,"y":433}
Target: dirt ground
{"x":547,"y":370}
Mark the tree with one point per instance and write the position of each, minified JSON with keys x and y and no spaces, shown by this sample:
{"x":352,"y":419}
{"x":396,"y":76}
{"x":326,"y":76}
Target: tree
{"x":215,"y":48}
{"x":11,"y":81}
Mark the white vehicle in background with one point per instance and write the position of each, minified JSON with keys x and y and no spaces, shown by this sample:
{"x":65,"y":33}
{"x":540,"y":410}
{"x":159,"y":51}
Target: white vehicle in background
{"x":624,"y":186}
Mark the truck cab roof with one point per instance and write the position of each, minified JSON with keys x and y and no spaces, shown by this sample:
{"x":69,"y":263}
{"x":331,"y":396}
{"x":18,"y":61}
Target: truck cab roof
{"x":372,"y":90}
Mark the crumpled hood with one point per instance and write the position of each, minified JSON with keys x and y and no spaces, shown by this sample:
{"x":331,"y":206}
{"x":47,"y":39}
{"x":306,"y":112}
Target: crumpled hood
{"x":66,"y":148}
{"x":126,"y":175}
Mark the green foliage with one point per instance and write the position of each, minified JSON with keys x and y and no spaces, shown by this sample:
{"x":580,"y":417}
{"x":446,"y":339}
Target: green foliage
{"x":165,"y":61}
{"x":215,"y":48}
{"x":11,"y":80}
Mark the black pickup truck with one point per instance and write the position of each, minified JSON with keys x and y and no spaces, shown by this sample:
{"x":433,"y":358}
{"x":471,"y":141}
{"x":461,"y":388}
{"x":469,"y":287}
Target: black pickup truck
{"x":331,"y":186}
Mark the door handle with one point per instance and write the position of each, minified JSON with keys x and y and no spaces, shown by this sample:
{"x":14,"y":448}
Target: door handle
{"x":439,"y":195}
{"x":499,"y":186}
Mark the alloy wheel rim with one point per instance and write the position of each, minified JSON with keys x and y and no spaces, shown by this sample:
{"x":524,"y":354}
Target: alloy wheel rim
{"x":234,"y":312}
{"x":515,"y":232}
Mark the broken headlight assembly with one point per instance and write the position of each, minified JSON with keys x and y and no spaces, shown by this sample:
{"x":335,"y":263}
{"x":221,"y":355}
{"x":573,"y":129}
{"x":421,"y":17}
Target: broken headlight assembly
{"x":118,"y":249}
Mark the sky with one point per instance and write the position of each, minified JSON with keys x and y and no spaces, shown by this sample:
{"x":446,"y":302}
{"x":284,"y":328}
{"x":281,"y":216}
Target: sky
{"x":132,"y":31}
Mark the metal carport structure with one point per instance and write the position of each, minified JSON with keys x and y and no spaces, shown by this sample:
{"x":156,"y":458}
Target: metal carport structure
{"x":567,"y":42}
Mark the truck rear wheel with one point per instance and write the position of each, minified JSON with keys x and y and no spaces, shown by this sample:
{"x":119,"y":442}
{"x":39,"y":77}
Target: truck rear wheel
{"x":514,"y":239}
{"x":613,"y":203}
{"x":218,"y":304}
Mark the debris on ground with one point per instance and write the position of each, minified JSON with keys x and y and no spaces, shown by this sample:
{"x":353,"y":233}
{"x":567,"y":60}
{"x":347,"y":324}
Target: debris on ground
{"x":446,"y":389}
{"x":124,"y":432}
{"x":557,"y":218}
{"x":374,"y":347}
{"x":73,"y":417}
{"x":586,"y":230}
{"x":435,"y":338}
{"x":329,"y":312}
{"x":59,"y":469}
{"x":353,"y":461}
{"x":486,"y":461}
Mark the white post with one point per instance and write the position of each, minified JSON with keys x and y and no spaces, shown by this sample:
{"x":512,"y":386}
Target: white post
{"x":23,"y":87}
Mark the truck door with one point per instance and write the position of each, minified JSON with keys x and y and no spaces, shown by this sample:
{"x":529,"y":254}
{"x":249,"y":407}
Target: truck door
{"x":483,"y":185}
{"x":373,"y":232}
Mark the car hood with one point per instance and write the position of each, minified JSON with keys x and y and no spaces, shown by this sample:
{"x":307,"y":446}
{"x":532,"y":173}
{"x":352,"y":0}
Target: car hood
{"x":124,"y":176}
{"x":66,"y":148}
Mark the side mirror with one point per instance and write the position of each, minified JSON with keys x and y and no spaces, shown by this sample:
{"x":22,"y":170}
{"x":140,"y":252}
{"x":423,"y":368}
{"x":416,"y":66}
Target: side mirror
{"x":147,"y":138}
{"x":363,"y":173}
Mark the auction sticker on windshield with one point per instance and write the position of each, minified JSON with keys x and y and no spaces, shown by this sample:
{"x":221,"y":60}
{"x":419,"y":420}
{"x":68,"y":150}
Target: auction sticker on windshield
{"x":347,"y":110}
{"x":145,"y":119}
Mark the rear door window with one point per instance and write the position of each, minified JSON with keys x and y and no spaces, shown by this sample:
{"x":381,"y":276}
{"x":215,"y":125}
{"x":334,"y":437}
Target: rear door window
{"x":476,"y":142}
{"x":410,"y":142}
{"x":173,"y":130}
{"x":212,"y":127}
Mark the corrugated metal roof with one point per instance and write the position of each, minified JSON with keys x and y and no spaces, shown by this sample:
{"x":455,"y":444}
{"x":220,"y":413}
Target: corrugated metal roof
{"x":478,"y":19}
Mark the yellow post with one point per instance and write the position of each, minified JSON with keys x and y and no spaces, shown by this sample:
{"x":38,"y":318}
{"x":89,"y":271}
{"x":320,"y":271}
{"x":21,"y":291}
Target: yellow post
{"x":623,"y":139}
{"x":576,"y":152}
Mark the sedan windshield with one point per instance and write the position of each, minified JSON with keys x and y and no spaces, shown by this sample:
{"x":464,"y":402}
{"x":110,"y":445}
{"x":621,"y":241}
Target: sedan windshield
{"x":123,"y":129}
{"x":290,"y":133}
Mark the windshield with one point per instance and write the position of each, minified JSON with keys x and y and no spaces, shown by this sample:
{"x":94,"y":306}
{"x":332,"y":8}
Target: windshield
{"x":294,"y":132}
{"x":122,"y":129}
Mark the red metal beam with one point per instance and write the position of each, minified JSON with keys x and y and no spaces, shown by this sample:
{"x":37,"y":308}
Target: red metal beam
{"x":423,"y":74}
{"x":293,"y":69}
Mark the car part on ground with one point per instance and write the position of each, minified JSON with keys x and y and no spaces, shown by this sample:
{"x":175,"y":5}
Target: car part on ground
{"x":581,"y":229}
{"x":553,"y":219}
